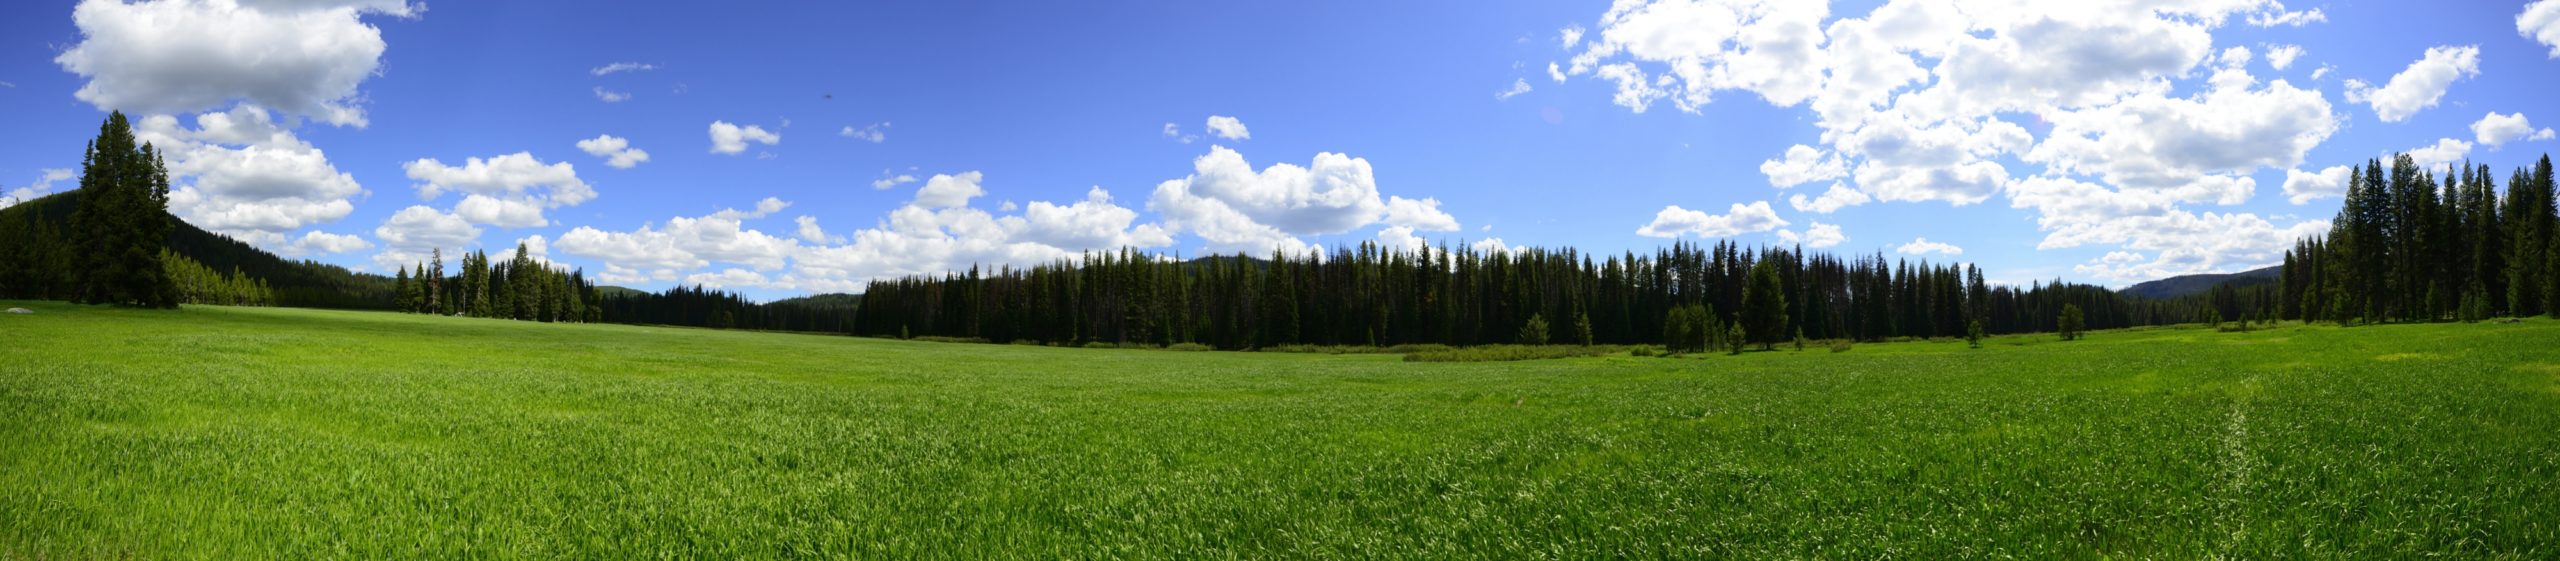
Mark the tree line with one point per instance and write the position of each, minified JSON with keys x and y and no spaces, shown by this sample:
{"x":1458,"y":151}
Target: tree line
{"x":1370,"y":295}
{"x":2406,"y":247}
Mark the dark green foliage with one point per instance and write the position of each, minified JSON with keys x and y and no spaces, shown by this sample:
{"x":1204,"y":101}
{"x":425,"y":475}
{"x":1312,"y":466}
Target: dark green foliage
{"x":1582,"y":329}
{"x":1500,"y":353}
{"x":1373,"y":296}
{"x":1973,"y":334}
{"x":1534,"y":332}
{"x":2404,"y":248}
{"x":2070,"y":323}
{"x":1734,"y":339}
{"x":121,"y":223}
{"x":1764,"y":306}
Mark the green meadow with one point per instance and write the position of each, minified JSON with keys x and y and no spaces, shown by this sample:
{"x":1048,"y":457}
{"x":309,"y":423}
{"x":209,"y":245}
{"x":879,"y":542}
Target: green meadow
{"x":257,"y":433}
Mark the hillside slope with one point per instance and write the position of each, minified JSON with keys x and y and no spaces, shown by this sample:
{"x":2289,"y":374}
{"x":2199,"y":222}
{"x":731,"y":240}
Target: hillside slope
{"x":304,"y":284}
{"x":2185,"y":285}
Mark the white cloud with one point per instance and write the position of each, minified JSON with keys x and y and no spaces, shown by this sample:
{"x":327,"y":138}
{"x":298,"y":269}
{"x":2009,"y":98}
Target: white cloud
{"x":686,"y":243}
{"x":1818,"y":236}
{"x":1228,"y":128}
{"x":1174,"y":132}
{"x":1673,"y":222}
{"x":1803,"y":164}
{"x":419,"y":228}
{"x":616,"y":151}
{"x":1768,"y":47}
{"x":921,"y":239}
{"x":41,"y":187}
{"x":888,"y":180}
{"x":950,"y":191}
{"x":610,"y":96}
{"x":1571,"y":35}
{"x":1839,"y":196}
{"x":2541,"y":21}
{"x":2445,"y":151}
{"x":732,"y":139}
{"x":2300,"y":187}
{"x":303,"y":58}
{"x":1922,"y":246}
{"x":875,"y":133}
{"x":316,"y":242}
{"x":2496,"y":129}
{"x":622,"y":67}
{"x":1518,"y":86}
{"x":2278,"y":16}
{"x":810,"y":232}
{"x":2281,"y":56}
{"x":1421,"y":214}
{"x":508,"y":191}
{"x":238,"y":173}
{"x":1235,"y":208}
{"x":2420,"y":86}
{"x":2198,"y":149}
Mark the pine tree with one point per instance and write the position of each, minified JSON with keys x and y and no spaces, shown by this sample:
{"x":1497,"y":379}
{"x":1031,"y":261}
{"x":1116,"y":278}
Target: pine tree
{"x":122,"y":222}
{"x":1582,"y":329}
{"x":2070,"y":322}
{"x":1764,"y":307}
{"x":1534,"y":332}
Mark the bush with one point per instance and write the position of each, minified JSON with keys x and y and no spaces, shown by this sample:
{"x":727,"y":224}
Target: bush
{"x":1841,"y":345}
{"x":1189,"y":347}
{"x":1535,"y":331}
{"x":1497,"y":353}
{"x":942,"y":339}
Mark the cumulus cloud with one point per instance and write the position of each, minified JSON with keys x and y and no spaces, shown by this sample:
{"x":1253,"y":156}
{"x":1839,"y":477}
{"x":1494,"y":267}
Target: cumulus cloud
{"x":237,"y":172}
{"x":323,"y":243}
{"x":1228,"y":128}
{"x":2300,"y":187}
{"x":2134,"y":109}
{"x":1518,"y":86}
{"x":1768,"y":47}
{"x":172,"y":56}
{"x":615,"y":150}
{"x":810,"y":232}
{"x":1802,"y":164}
{"x":2541,"y":22}
{"x":42,"y":186}
{"x":1673,"y":222}
{"x":2281,"y":56}
{"x":2444,"y":151}
{"x":950,"y":191}
{"x":732,"y":139}
{"x":509,"y":190}
{"x":1839,"y":196}
{"x":1922,"y":246}
{"x":416,"y":230}
{"x":875,"y":133}
{"x":2495,"y":129}
{"x":1235,"y":208}
{"x":1818,"y":236}
{"x":2420,"y":86}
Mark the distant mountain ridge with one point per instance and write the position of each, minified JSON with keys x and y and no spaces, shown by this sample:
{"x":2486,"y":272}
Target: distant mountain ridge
{"x":2185,"y":285}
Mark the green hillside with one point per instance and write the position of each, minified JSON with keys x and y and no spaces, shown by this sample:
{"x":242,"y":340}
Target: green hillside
{"x":264,"y":433}
{"x":308,"y":284}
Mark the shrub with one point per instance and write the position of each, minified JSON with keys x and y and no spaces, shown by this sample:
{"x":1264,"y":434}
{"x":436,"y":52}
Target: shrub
{"x":1535,"y":331}
{"x":1189,"y":347}
{"x":1496,"y":353}
{"x":942,"y":339}
{"x":1841,"y":345}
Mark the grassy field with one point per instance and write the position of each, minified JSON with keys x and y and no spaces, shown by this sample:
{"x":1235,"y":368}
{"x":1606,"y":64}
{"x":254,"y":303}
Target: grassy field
{"x":240,"y":433}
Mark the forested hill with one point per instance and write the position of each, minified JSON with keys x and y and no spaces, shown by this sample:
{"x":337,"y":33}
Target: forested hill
{"x":2190,"y":285}
{"x":34,"y":254}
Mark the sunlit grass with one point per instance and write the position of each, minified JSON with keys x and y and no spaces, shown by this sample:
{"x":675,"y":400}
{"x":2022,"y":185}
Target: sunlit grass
{"x":239,"y":433}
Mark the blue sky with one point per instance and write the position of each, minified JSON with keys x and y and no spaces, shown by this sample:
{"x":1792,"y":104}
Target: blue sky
{"x":2105,"y":142}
